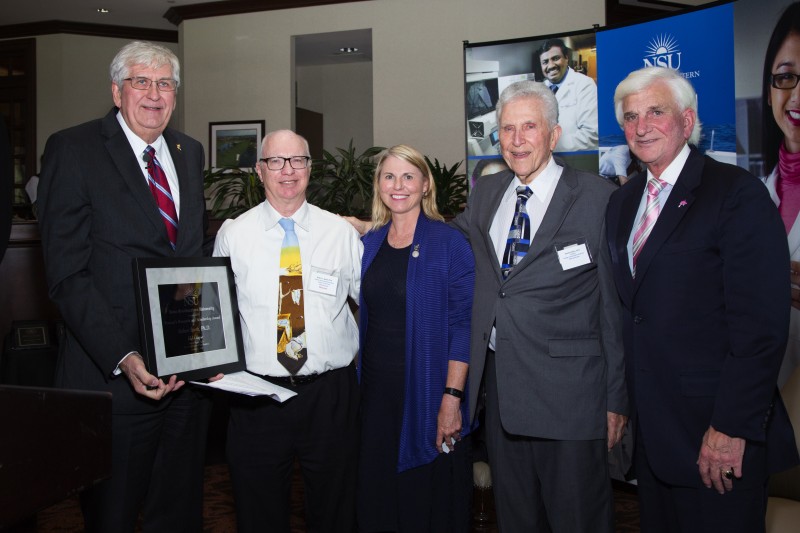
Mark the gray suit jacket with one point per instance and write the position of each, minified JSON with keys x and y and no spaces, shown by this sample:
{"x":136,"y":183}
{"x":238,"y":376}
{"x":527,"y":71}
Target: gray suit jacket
{"x":96,"y":214}
{"x":559,"y":354}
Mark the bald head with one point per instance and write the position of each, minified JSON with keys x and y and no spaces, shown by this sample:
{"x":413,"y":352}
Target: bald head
{"x":284,"y":169}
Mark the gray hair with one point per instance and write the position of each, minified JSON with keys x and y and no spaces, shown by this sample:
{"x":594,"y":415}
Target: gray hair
{"x":682,"y":92}
{"x":143,"y":53}
{"x":531,"y":89}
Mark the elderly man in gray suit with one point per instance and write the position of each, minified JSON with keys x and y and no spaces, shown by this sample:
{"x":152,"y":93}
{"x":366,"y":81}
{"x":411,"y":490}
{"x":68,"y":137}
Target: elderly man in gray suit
{"x":546,"y":331}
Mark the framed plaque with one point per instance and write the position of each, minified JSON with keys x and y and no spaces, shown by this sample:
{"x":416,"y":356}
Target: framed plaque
{"x":188,"y":316}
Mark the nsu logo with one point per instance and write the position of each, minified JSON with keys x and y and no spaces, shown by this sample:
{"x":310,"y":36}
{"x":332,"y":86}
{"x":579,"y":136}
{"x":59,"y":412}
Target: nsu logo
{"x":663,"y":52}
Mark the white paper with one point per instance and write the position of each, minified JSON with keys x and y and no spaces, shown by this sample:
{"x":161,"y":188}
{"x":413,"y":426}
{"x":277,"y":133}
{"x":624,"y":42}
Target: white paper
{"x":573,"y":256}
{"x":250,"y":385}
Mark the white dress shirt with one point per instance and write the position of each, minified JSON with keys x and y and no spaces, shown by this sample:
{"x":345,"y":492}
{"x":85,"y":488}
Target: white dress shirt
{"x":163,"y":156}
{"x":669,"y":176}
{"x":542,"y":187}
{"x":162,"y":153}
{"x":329,"y":246}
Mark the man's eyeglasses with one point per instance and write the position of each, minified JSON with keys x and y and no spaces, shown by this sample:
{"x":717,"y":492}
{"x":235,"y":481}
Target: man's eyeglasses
{"x":785,"y":80}
{"x":297,"y":162}
{"x":142,"y":84}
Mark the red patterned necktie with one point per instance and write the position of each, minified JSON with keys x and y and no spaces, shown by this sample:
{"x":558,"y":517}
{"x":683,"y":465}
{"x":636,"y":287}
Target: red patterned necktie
{"x":651,"y":210}
{"x":159,"y":186}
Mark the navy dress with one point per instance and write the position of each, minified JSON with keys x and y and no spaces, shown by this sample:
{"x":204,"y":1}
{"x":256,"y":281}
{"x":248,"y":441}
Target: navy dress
{"x":430,"y":498}
{"x":382,"y":380}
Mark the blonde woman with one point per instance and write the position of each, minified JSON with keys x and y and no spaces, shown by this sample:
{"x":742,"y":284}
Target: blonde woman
{"x":416,"y":300}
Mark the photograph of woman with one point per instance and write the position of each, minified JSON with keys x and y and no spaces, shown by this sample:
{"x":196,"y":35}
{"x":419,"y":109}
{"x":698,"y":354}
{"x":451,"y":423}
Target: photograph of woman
{"x":781,"y":149}
{"x":415,"y":472}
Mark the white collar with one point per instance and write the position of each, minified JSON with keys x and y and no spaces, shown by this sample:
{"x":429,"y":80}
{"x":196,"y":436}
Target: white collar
{"x":673,"y":170}
{"x":543,"y":183}
{"x":301,"y":217}
{"x":137,"y":143}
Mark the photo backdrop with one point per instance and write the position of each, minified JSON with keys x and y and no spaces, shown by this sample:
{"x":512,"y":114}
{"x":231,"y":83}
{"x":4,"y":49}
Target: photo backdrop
{"x":699,"y":43}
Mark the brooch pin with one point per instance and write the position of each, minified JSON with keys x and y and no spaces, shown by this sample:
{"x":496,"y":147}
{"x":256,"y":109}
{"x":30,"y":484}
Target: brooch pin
{"x":683,"y":203}
{"x":179,"y":147}
{"x":415,"y":253}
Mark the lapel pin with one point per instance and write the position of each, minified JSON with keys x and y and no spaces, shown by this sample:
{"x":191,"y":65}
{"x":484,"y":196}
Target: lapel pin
{"x":415,"y":253}
{"x":683,"y":203}
{"x":179,"y":147}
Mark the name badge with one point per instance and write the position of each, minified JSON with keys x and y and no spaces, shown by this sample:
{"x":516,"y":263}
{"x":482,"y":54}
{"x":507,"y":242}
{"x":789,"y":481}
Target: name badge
{"x":322,"y":282}
{"x":573,"y":255}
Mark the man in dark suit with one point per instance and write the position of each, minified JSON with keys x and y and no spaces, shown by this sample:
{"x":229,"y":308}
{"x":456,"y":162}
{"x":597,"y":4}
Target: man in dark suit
{"x":699,"y":260}
{"x":546,"y":334}
{"x":98,"y":210}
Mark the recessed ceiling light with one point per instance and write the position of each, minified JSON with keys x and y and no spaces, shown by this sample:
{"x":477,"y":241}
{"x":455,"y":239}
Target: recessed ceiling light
{"x":348,"y":50}
{"x":103,"y":10}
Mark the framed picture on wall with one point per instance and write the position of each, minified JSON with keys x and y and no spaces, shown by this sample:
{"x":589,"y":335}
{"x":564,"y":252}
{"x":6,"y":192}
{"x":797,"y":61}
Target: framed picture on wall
{"x":234,"y":144}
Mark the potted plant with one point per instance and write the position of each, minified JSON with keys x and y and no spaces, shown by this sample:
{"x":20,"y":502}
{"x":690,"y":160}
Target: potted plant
{"x":342,"y":182}
{"x":232,"y":191}
{"x":451,"y":187}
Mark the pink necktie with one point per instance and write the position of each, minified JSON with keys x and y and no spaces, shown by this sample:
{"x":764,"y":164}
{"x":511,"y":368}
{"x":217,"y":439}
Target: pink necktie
{"x":651,"y":210}
{"x":159,"y":186}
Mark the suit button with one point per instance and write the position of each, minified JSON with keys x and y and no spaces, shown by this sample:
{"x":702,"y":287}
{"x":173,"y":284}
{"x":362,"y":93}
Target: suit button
{"x":502,"y":295}
{"x":637,"y":319}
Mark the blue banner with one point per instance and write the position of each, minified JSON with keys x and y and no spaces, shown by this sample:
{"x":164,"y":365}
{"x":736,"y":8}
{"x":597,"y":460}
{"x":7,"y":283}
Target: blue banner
{"x":698,"y":44}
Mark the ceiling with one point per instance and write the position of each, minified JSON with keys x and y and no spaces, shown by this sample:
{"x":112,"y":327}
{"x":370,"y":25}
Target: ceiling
{"x":150,"y":13}
{"x":136,"y":13}
{"x":313,"y":49}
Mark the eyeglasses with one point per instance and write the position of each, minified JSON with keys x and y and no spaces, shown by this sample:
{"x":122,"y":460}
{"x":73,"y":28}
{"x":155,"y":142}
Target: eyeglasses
{"x":784,"y":80}
{"x":142,"y":84}
{"x":297,"y":162}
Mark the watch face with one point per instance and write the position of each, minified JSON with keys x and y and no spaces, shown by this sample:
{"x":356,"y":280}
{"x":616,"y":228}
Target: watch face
{"x":476,"y":129}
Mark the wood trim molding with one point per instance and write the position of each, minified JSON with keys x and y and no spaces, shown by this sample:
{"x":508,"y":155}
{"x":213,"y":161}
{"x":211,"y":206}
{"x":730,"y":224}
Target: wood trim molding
{"x":81,"y":28}
{"x":178,"y":14}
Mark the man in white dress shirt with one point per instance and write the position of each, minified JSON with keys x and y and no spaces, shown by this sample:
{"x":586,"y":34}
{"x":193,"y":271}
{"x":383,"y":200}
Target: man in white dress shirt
{"x":318,"y":427}
{"x":577,"y":98}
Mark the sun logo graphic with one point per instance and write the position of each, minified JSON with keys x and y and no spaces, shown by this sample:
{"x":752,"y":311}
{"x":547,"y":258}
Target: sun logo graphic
{"x":662,"y":51}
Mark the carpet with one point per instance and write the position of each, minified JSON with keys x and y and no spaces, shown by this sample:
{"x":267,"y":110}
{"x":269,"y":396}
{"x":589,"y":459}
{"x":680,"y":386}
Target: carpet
{"x":219,"y":516}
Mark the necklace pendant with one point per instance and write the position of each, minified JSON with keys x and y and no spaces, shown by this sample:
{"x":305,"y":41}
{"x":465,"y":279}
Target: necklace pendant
{"x":415,"y":253}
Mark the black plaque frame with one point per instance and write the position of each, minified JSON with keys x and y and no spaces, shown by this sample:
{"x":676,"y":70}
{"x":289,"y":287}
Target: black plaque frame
{"x":151,"y":273}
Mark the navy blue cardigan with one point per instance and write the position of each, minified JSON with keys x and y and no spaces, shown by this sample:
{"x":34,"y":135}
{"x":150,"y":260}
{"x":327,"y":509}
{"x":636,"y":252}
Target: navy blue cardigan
{"x":439,"y":289}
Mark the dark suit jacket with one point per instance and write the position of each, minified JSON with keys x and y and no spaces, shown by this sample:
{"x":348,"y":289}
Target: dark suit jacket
{"x":706,"y":319}
{"x":558,"y":344}
{"x":97,"y":214}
